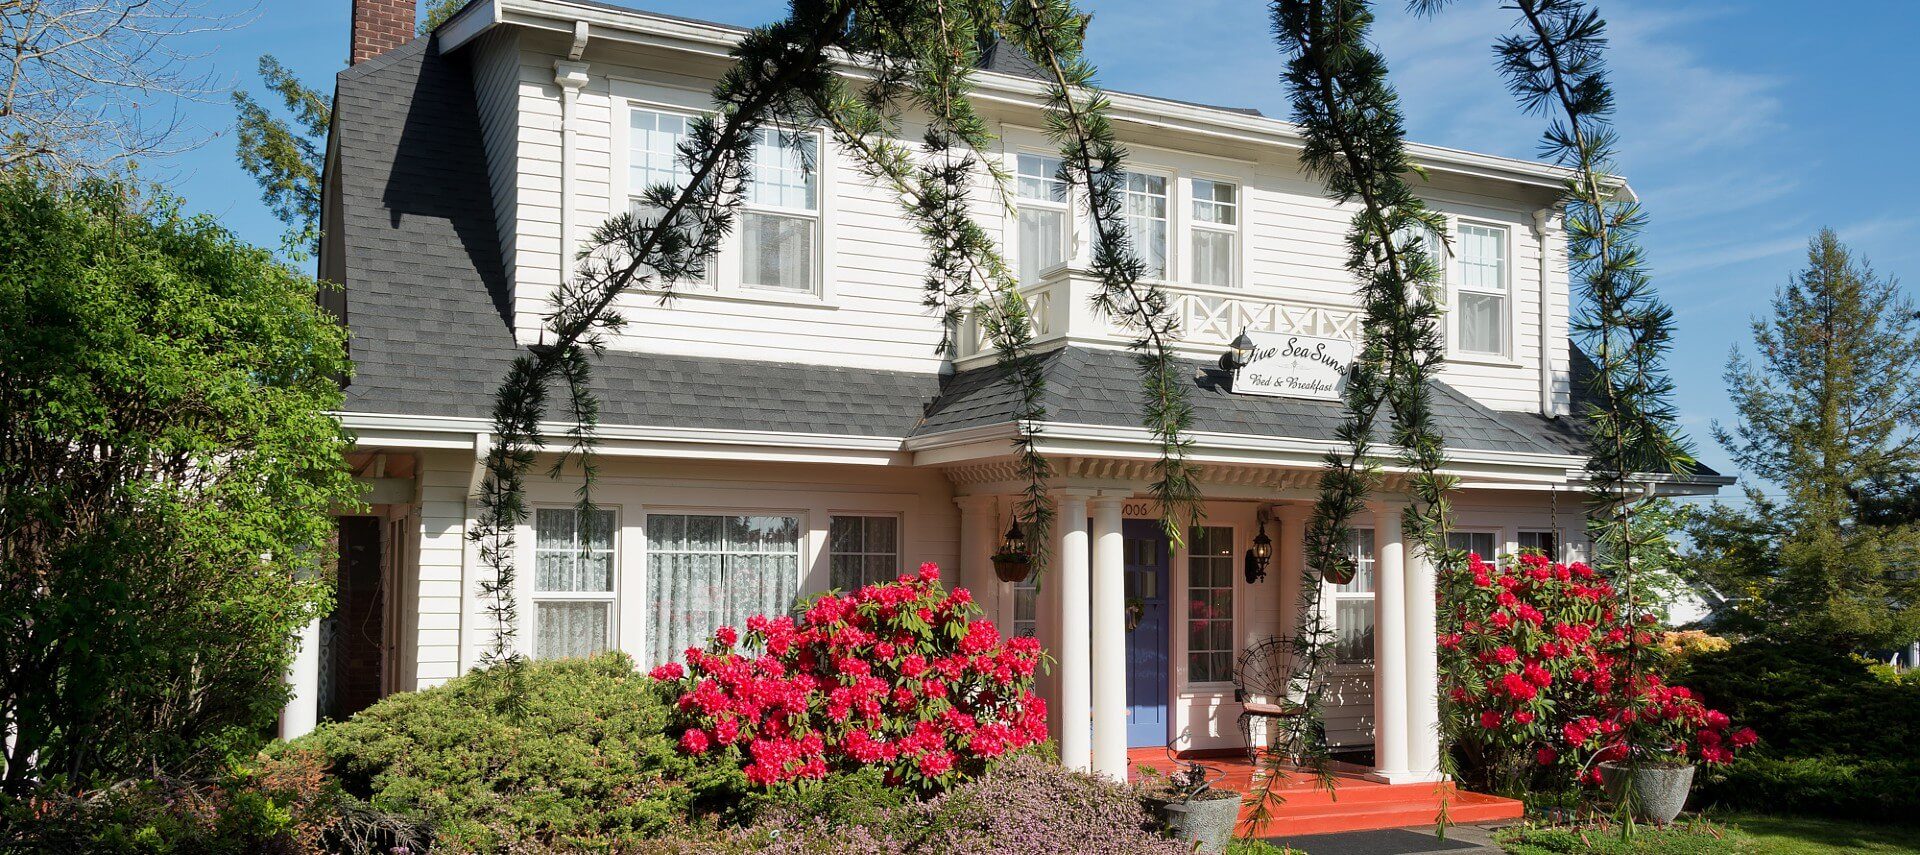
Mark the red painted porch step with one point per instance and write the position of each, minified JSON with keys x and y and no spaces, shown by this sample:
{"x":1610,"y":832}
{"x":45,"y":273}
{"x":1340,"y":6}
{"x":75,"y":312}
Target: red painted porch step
{"x":1380,"y":806}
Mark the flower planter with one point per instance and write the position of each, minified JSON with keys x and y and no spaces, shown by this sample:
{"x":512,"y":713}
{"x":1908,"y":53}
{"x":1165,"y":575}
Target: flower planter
{"x":1659,"y":792}
{"x":1207,"y":821}
{"x":1012,"y":569}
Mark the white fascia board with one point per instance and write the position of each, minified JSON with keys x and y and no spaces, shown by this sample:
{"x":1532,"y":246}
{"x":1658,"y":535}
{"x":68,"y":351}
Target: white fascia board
{"x":1224,"y":448}
{"x":466,"y":26}
{"x":408,"y":431}
{"x":709,"y":39}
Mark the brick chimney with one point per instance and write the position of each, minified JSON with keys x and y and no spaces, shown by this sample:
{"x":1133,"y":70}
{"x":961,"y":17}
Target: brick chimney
{"x":380,"y":26}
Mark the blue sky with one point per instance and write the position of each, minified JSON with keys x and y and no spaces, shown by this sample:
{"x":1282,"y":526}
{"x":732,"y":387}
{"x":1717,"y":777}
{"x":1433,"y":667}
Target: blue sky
{"x":1745,"y":127}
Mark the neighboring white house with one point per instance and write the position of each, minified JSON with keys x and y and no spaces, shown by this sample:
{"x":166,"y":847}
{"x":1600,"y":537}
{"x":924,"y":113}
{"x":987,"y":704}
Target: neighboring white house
{"x":789,"y":427}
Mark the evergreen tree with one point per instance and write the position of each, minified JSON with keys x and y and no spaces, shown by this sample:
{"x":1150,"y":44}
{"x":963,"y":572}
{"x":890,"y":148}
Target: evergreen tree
{"x":1828,"y":407}
{"x":285,"y":155}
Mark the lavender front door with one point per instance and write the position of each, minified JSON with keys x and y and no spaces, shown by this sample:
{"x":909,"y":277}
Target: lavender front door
{"x":1145,"y":555}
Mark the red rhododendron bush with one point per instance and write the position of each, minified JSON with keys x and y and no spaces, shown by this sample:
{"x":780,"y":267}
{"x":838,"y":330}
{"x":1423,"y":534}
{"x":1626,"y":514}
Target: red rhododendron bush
{"x":1540,"y":689}
{"x":902,"y":675}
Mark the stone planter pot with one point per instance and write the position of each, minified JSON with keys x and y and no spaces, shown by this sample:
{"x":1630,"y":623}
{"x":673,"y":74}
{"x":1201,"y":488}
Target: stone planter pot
{"x":1012,"y":569}
{"x":1206,"y":822}
{"x":1659,"y":792}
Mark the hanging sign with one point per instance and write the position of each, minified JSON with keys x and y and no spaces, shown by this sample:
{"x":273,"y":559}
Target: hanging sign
{"x":1287,"y":365}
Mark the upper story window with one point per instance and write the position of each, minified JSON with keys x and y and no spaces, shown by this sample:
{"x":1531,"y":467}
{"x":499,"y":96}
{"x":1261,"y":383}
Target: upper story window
{"x":1144,"y":203}
{"x":1042,"y":209}
{"x":780,"y":222}
{"x":1481,"y":313}
{"x":1215,"y":232}
{"x":653,"y":159}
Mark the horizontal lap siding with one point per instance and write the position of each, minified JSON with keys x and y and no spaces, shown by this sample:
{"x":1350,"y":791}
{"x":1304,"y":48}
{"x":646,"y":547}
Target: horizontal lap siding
{"x":875,"y":260}
{"x":443,"y":600}
{"x":496,"y":63}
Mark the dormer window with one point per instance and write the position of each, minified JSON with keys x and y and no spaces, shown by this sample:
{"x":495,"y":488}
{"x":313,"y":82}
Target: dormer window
{"x":653,"y":159}
{"x":1042,"y":209}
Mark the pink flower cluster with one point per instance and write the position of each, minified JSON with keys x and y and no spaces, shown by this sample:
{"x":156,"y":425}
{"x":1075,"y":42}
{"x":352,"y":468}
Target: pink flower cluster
{"x":902,"y":674}
{"x":1536,"y":654}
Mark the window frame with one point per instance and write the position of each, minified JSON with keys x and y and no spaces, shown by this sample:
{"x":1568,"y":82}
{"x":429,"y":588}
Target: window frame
{"x":612,"y":597}
{"x":1174,"y":219}
{"x":899,"y":541}
{"x":642,"y":647}
{"x":1456,"y":287}
{"x":1064,"y":206}
{"x":1500,"y":546}
{"x":1192,"y":224}
{"x":1559,"y":542}
{"x":1332,"y":596}
{"x":1185,"y":580}
{"x":724,"y":280}
{"x":816,"y":216}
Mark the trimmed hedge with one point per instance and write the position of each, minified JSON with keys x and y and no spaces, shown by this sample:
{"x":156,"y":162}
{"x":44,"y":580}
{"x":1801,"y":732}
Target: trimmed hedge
{"x":1886,"y":789}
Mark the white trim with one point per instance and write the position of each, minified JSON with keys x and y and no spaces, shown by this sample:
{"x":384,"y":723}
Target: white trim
{"x":715,"y":40}
{"x":1508,"y":354}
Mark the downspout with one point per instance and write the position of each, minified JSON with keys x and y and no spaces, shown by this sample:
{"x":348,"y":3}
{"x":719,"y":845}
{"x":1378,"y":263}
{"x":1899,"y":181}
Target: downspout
{"x":1543,"y":221}
{"x":570,"y":75}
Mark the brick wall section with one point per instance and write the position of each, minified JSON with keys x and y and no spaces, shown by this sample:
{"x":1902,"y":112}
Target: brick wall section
{"x":380,"y":26}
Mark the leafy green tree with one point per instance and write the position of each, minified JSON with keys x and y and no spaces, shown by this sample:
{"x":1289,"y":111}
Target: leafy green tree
{"x":285,"y":155}
{"x":167,"y":470}
{"x":437,"y":13}
{"x":1828,"y":406}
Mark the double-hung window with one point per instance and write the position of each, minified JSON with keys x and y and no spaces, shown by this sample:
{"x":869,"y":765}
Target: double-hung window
{"x":1210,"y":604}
{"x":1353,"y":604}
{"x":573,"y":581}
{"x":1043,"y":216}
{"x":1144,"y":203}
{"x":710,"y":570}
{"x":1481,"y":315}
{"x":862,"y":551}
{"x":1485,"y":544}
{"x":653,"y":160}
{"x":780,"y":220}
{"x":1215,"y":232}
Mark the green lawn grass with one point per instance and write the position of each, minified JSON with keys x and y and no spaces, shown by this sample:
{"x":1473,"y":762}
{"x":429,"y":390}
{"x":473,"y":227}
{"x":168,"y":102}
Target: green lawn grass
{"x":1734,"y":834}
{"x":1792,"y":835}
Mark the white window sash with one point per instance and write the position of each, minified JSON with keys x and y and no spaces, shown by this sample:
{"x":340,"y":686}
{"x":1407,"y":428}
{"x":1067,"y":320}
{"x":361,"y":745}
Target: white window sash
{"x":1501,"y":294}
{"x":609,"y":597}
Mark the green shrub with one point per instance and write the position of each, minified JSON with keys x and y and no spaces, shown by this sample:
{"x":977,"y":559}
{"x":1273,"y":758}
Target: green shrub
{"x":1809,"y":702}
{"x":1885,"y":789}
{"x":579,"y":760}
{"x":1682,"y":838}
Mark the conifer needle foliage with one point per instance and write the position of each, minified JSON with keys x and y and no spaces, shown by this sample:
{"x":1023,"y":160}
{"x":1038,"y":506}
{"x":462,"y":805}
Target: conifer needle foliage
{"x":911,"y":55}
{"x":1354,"y":142}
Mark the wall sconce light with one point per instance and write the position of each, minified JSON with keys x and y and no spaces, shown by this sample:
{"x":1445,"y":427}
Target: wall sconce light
{"x":1261,"y":553}
{"x":1238,"y":354}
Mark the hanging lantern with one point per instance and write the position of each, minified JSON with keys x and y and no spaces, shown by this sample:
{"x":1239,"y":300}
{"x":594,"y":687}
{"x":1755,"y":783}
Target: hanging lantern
{"x":1014,"y":562}
{"x":1261,"y":554}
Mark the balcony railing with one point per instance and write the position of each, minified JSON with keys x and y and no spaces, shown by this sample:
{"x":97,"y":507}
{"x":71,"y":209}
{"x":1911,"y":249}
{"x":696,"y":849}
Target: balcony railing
{"x":1207,"y":317}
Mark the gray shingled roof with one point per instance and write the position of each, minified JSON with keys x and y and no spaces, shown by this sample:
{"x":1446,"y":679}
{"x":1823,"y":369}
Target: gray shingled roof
{"x":426,"y":304}
{"x":1102,"y":387}
{"x":425,"y":294}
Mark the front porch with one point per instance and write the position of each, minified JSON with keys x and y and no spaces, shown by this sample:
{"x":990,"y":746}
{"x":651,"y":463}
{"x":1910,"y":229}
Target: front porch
{"x":1356,"y":801}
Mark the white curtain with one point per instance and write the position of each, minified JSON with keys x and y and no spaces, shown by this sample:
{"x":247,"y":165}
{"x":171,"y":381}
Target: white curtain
{"x":705,"y":571}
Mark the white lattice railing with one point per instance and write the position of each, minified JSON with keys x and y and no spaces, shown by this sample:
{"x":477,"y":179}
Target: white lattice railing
{"x":1208,"y":318}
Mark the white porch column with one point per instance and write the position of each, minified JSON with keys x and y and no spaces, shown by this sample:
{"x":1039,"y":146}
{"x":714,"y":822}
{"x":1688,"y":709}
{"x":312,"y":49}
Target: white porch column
{"x":1423,"y":668}
{"x":979,"y":518}
{"x":1389,"y":645}
{"x":302,"y":711}
{"x":1109,"y":642}
{"x":1071,"y":582}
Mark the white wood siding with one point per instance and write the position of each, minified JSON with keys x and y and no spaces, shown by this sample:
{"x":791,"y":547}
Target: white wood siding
{"x":496,"y":89}
{"x":868,"y":312}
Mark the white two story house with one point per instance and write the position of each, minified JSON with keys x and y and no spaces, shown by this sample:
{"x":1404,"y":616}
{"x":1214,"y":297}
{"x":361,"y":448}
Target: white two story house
{"x":787,"y":427}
